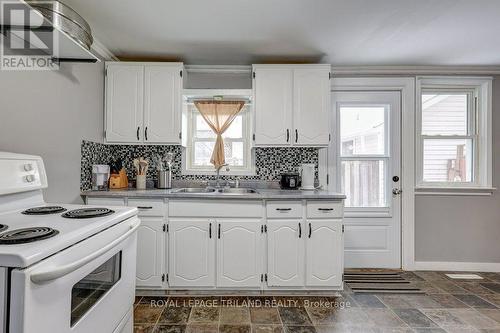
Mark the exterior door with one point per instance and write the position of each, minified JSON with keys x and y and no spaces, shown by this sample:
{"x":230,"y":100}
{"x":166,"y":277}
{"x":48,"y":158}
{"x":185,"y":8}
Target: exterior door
{"x":273,"y":89}
{"x":124,"y":103}
{"x":323,"y":245}
{"x":311,"y":95}
{"x":239,"y":247}
{"x":285,"y":246}
{"x":367,"y":159}
{"x":191,"y":252}
{"x":162,"y":104}
{"x":150,"y":240}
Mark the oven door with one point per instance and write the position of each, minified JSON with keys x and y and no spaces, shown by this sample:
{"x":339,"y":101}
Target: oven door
{"x":88,"y":287}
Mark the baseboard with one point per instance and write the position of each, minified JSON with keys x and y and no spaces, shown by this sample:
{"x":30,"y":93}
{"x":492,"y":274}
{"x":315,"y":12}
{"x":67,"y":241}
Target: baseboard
{"x":456,"y":266}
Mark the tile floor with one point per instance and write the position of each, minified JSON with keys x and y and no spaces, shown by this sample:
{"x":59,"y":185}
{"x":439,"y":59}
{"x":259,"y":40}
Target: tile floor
{"x":448,"y":306}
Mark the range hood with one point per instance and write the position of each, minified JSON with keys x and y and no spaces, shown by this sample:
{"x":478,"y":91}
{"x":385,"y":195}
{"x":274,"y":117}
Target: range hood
{"x":65,"y":19}
{"x":73,"y":33}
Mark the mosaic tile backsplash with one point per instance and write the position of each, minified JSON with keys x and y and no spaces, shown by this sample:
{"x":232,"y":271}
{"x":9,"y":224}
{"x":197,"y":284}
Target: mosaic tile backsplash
{"x":270,"y":162}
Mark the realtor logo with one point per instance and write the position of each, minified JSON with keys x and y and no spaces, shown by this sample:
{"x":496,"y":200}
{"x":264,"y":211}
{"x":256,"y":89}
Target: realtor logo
{"x":28,"y":42}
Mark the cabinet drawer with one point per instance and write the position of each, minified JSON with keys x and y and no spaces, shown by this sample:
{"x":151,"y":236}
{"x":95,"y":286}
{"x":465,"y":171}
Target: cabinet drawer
{"x":148,"y":207}
{"x":105,"y":202}
{"x":284,"y":209}
{"x":324,"y":209}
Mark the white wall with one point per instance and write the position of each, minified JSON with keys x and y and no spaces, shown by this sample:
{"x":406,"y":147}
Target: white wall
{"x":48,"y":114}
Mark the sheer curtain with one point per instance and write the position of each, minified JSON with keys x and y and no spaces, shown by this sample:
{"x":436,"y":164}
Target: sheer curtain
{"x":219,"y":115}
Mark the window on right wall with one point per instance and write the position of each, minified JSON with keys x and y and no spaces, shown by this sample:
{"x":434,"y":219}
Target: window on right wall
{"x":454,"y":133}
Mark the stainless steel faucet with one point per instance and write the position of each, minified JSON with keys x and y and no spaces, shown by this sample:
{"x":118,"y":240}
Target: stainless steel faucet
{"x":217,"y":179}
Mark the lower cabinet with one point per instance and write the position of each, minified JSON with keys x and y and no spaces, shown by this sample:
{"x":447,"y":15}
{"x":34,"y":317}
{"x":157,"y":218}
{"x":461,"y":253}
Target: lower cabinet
{"x":304,"y":254}
{"x":285,"y":248}
{"x":239,"y":253}
{"x":324,"y":253}
{"x":191,"y":252}
{"x":150,"y":249}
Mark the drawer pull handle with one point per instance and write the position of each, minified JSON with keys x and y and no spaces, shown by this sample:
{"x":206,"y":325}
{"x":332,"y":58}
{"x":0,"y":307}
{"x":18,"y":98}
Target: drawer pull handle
{"x":210,"y":230}
{"x":218,"y":231}
{"x":310,"y":230}
{"x":283,"y":209}
{"x":325,"y":209}
{"x":144,"y":207}
{"x":300,"y":231}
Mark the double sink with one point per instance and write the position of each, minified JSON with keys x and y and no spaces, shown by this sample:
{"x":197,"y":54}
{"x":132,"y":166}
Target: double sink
{"x":224,"y":190}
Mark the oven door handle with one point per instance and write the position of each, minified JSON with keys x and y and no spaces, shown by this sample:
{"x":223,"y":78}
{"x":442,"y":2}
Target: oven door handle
{"x":49,"y":275}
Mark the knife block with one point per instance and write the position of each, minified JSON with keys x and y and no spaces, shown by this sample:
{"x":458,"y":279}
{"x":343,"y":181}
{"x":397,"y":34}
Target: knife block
{"x":118,"y":180}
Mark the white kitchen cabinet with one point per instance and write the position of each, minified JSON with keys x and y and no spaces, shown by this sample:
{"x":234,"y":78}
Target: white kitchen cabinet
{"x":124,"y":103}
{"x":285,"y":253}
{"x":162,"y":104}
{"x":292,"y":105}
{"x":324,"y":252}
{"x":192,"y":252}
{"x":273,"y":89}
{"x":311,"y":102}
{"x":239,"y":253}
{"x":150,"y":252}
{"x":143,"y":102}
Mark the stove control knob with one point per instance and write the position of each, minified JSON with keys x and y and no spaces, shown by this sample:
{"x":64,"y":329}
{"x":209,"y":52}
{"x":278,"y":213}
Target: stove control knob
{"x":30,"y":178}
{"x":28,"y":167}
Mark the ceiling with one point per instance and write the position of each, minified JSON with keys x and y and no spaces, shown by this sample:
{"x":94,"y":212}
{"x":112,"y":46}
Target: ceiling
{"x":341,"y":32}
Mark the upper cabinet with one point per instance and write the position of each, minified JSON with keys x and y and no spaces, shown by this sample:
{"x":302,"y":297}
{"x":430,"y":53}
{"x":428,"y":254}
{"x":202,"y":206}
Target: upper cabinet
{"x":292,"y":105}
{"x":143,"y":102}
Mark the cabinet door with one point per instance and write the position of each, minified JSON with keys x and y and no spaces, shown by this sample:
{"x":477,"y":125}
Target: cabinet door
{"x":273,"y":106}
{"x":191,"y":253}
{"x":124,"y":103}
{"x":150,"y":250}
{"x":311,"y":97}
{"x":324,"y":245}
{"x":162,"y":104}
{"x":285,"y":246}
{"x":239,"y":256}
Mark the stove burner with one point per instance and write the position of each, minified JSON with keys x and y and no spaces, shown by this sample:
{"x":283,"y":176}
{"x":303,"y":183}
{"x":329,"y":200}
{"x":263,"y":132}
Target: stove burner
{"x":26,"y":235}
{"x":85,"y":213}
{"x":44,"y":210}
{"x":3,"y":227}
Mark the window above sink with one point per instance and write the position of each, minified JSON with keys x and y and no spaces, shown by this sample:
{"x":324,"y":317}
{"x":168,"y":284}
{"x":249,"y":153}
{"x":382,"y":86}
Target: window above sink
{"x":199,"y":139}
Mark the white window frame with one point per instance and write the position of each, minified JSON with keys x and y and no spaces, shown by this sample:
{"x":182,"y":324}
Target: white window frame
{"x":248,"y":170}
{"x":480,"y":130}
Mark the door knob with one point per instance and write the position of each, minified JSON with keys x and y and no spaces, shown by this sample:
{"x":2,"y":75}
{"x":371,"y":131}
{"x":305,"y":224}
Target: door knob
{"x":396,"y":191}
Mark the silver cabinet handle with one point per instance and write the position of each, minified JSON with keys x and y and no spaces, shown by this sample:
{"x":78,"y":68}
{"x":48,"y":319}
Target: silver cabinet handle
{"x":59,"y":272}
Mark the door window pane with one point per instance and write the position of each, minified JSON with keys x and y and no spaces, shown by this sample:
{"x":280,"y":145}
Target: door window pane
{"x":444,"y":114}
{"x":92,"y":288}
{"x":363,"y":182}
{"x":447,"y":160}
{"x":362,"y":130}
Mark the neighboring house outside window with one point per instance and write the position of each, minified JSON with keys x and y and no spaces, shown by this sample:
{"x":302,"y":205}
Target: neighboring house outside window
{"x":201,"y":141}
{"x":453,"y":133}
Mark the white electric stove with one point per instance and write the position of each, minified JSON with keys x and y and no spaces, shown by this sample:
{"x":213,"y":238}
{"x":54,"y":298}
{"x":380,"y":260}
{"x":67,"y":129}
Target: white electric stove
{"x":63,"y":268}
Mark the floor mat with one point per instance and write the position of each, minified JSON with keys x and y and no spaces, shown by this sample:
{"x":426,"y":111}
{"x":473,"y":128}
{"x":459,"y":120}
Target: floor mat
{"x":379,"y":282}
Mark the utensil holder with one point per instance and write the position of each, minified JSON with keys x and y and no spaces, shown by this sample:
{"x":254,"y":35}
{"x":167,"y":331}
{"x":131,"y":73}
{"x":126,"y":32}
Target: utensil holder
{"x":164,"y":179}
{"x":140,"y":182}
